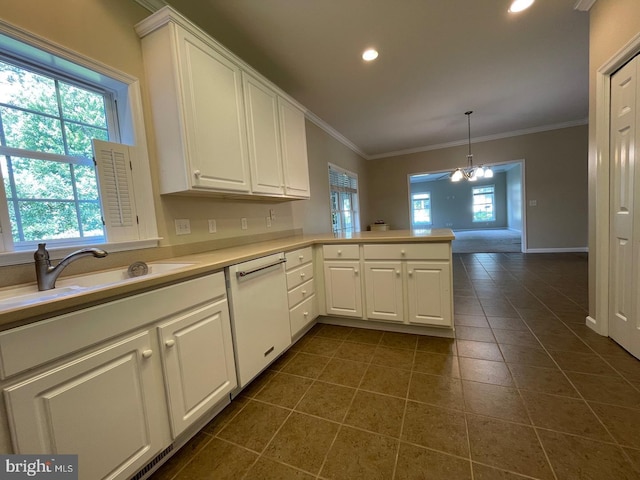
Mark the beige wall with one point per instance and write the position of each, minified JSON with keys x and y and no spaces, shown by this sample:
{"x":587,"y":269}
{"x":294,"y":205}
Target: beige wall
{"x":556,"y":176}
{"x":613,"y":23}
{"x":313,"y":215}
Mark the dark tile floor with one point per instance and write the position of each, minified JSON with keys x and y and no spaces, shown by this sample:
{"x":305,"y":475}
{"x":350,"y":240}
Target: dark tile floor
{"x":525,"y":391}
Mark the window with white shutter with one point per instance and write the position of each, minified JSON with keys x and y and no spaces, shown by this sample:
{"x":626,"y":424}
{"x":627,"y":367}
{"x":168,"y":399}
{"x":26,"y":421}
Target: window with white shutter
{"x":343,"y":197}
{"x":63,"y":180}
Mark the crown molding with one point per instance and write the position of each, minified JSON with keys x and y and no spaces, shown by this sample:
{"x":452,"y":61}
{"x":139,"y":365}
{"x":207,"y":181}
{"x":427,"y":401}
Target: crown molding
{"x":584,"y":5}
{"x":151,"y":5}
{"x":335,"y":134}
{"x":488,"y":138}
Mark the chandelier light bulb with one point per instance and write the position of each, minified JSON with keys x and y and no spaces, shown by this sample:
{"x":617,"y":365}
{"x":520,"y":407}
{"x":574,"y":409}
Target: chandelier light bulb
{"x":488,"y":173}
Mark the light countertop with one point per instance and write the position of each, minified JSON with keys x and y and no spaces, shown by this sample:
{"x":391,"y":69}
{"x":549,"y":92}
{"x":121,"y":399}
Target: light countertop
{"x":204,"y":263}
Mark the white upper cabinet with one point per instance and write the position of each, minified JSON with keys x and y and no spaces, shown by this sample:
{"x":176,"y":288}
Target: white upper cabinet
{"x":265,"y":150}
{"x":294,"y":150}
{"x":218,"y":128}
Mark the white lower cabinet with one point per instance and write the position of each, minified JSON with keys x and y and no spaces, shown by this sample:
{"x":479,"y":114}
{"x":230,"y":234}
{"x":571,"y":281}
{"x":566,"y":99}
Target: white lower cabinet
{"x":343,"y":291}
{"x":301,"y":290}
{"x":383,"y":287}
{"x":197,"y":356}
{"x":107,"y":407}
{"x":117,"y":383}
{"x":429,"y":293}
{"x":402,"y":283}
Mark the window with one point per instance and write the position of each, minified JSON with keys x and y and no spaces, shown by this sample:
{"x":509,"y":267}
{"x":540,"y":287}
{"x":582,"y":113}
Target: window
{"x":46,"y":128}
{"x":421,"y":209}
{"x":54,"y":105}
{"x":343,"y":190}
{"x":483,"y":204}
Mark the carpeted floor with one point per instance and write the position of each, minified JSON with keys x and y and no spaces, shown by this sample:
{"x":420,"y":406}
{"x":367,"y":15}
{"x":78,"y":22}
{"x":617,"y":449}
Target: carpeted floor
{"x":486,"y":241}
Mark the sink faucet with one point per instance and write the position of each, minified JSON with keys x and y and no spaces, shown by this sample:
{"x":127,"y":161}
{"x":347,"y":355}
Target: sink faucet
{"x":46,"y":274}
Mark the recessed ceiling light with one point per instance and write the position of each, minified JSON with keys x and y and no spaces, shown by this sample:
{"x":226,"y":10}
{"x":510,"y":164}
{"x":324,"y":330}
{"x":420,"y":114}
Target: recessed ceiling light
{"x":520,"y":5}
{"x":369,"y":54}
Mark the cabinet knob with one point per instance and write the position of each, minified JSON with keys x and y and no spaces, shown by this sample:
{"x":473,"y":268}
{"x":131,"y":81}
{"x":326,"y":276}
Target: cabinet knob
{"x":302,"y":275}
{"x":339,"y":252}
{"x":197,"y":173}
{"x":170,"y":343}
{"x":398,"y":272}
{"x":410,"y":272}
{"x":306,"y":314}
{"x":301,"y":257}
{"x":355,"y":271}
{"x":147,"y":353}
{"x":402,"y":252}
{"x":304,"y":292}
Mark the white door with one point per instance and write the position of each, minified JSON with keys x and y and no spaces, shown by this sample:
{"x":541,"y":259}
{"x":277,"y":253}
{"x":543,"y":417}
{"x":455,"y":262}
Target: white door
{"x":214,"y":117}
{"x":429,"y":293}
{"x":197,"y":356}
{"x":294,"y":150}
{"x":383,"y":287}
{"x":265,"y":153}
{"x":343,"y":289}
{"x":107,"y":407}
{"x":624,"y":274}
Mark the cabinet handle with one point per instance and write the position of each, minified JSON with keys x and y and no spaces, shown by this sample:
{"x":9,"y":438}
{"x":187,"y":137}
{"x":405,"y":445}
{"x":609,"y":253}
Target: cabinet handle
{"x":147,"y":353}
{"x":197,"y":173}
{"x":170,"y":343}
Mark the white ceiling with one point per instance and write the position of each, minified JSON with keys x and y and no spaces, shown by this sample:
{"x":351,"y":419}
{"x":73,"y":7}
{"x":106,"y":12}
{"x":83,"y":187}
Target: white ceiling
{"x":438,"y":58}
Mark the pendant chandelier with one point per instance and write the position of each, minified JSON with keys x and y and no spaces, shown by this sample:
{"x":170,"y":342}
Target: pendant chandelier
{"x":470,"y":173}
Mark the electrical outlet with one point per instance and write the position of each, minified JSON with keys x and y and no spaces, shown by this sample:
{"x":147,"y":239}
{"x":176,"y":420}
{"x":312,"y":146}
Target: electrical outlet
{"x":183,"y":226}
{"x":268,"y":222}
{"x":243,"y":223}
{"x":272,"y":214}
{"x":212,"y":226}
{"x":533,"y":203}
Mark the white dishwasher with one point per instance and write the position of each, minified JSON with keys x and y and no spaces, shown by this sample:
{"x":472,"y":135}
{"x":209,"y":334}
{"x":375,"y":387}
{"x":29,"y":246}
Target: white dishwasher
{"x":259,"y":313}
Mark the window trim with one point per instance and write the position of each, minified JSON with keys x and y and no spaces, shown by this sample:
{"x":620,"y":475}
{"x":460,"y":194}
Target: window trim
{"x":132,"y":131}
{"x":493,"y":202}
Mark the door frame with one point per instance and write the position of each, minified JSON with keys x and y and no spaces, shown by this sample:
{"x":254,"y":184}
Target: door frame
{"x":523,"y":207}
{"x":600,"y":196}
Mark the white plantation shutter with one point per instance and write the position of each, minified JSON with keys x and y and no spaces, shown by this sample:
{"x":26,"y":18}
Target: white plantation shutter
{"x":115,"y":183}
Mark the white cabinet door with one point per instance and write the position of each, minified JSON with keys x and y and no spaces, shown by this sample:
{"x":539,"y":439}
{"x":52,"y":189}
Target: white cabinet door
{"x":213,"y":116}
{"x":343,"y":290}
{"x":294,"y":150}
{"x":383,"y":287}
{"x":197,"y":356}
{"x":265,"y":152}
{"x":429,"y":293}
{"x":107,"y":407}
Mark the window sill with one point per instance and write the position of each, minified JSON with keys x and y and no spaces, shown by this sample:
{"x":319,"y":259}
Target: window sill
{"x":26,"y":256}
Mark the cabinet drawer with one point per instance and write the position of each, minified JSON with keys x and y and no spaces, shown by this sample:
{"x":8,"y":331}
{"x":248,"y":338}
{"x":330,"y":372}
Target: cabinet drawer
{"x":301,"y":293}
{"x":299,"y":275}
{"x":303,"y":314}
{"x":340,"y":252}
{"x":400,"y":251}
{"x":298,"y":257}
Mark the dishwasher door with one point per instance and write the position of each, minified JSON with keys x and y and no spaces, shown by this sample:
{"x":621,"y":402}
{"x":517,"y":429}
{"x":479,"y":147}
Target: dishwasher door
{"x":259,"y":313}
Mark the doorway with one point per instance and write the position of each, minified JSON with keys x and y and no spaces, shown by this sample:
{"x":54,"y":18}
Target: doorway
{"x":487,"y":215}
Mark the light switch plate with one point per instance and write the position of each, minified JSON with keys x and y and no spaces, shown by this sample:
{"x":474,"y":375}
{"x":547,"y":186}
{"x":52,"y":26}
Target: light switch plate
{"x":212,"y":226}
{"x":268,"y":222}
{"x":243,"y":223}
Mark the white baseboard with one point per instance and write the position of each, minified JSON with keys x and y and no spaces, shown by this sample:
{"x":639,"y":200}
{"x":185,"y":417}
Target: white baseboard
{"x":558,"y":250}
